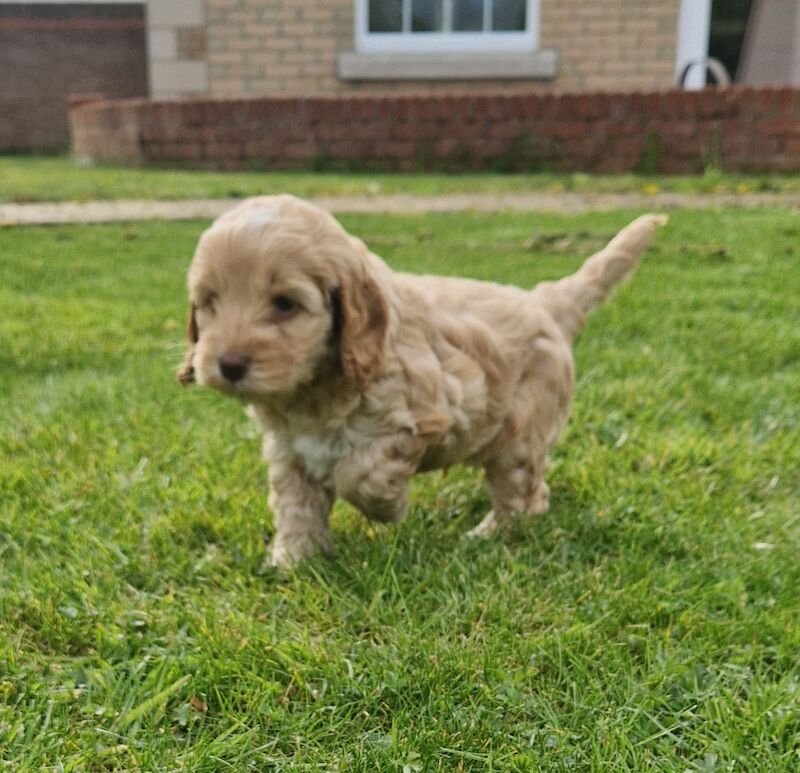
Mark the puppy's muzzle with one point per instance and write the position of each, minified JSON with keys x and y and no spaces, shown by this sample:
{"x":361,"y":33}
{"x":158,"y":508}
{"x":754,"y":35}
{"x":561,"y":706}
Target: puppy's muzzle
{"x":233,"y":367}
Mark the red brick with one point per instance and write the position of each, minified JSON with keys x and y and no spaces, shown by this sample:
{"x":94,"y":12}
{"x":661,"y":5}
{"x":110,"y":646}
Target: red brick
{"x":403,"y":131}
{"x":465,"y":130}
{"x":765,"y":101}
{"x":362,"y":110}
{"x":586,"y":131}
{"x":687,"y":104}
{"x":677,"y":165}
{"x":611,"y":163}
{"x":499,"y":130}
{"x":750,"y":102}
{"x":670,"y":104}
{"x":636,"y":105}
{"x":570,"y":129}
{"x":480,"y":105}
{"x":565,"y":106}
{"x":497,"y":109}
{"x":600,"y":105}
{"x":789,"y":162}
{"x":708,"y":103}
{"x":347,"y":150}
{"x":385,"y":110}
{"x":618,"y":106}
{"x":404,"y":150}
{"x":622,"y":128}
{"x":514,"y":109}
{"x":403,"y":110}
{"x":549,"y":105}
{"x":784,"y":100}
{"x":778,"y":127}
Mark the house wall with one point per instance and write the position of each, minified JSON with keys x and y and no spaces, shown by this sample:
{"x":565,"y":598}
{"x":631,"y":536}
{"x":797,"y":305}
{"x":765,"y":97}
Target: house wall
{"x":270,"y":47}
{"x":50,"y":51}
{"x":241,"y":48}
{"x":771,"y":53}
{"x":176,"y":47}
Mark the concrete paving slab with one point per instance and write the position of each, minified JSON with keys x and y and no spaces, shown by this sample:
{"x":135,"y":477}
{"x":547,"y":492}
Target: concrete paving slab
{"x":53,"y":213}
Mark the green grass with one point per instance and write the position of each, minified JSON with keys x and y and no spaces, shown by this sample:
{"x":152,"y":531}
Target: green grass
{"x":650,"y":621}
{"x":29,"y":179}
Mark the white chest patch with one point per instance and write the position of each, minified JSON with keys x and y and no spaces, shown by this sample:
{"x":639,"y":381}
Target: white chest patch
{"x":319,"y":453}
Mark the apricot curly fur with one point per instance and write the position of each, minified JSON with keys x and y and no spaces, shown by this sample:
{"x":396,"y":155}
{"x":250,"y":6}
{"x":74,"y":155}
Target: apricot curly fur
{"x":360,"y":376}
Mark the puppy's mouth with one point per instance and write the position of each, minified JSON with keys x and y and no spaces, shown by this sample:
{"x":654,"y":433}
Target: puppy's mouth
{"x":235,"y":389}
{"x":250,"y":387}
{"x":241,"y":389}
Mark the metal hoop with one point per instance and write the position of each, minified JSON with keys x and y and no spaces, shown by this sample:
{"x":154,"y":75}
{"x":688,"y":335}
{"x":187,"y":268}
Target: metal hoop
{"x":712,"y":66}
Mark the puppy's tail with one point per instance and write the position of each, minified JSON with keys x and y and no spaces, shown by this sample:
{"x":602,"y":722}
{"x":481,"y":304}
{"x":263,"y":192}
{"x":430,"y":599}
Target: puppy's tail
{"x":570,"y":300}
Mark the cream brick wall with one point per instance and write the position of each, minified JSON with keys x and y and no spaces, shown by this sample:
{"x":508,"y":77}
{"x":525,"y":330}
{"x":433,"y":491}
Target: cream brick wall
{"x":617,"y":45}
{"x":271,"y":47}
{"x":176,"y":48}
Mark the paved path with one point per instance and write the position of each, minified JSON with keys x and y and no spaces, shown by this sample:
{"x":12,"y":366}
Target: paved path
{"x":568,"y":203}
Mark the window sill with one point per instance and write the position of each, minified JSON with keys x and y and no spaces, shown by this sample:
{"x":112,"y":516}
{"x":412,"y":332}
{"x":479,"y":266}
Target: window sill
{"x":541,"y":64}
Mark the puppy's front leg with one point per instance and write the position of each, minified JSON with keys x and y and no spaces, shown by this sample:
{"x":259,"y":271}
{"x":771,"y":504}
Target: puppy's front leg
{"x":300,"y":508}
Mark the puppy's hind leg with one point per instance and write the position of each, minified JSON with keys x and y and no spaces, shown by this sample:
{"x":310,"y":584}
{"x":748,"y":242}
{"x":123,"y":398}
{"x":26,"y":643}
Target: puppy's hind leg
{"x":374,"y":477}
{"x":379,"y":492}
{"x":515,"y":473}
{"x":516,"y":486}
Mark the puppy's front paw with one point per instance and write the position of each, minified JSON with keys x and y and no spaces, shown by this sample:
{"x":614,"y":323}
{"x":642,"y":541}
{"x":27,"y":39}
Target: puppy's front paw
{"x":284,"y":556}
{"x":286,"y":551}
{"x":540,"y":502}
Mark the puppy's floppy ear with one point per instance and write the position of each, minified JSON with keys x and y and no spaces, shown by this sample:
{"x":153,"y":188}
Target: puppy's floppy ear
{"x":186,"y":370}
{"x":363,"y":323}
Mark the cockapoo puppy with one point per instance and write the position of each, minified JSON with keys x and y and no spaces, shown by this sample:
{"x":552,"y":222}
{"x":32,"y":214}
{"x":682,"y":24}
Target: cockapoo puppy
{"x":360,"y":376}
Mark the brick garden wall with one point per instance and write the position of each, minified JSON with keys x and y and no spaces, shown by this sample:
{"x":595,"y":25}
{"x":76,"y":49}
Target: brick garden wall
{"x":737,"y":129}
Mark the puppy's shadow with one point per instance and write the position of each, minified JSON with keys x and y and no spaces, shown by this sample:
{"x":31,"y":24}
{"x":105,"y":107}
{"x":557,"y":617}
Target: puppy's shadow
{"x":430,"y":553}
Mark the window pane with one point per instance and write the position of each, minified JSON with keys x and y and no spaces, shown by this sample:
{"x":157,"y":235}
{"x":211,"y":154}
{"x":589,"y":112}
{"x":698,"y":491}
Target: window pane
{"x":385,"y":15}
{"x":467,"y":15}
{"x":508,"y":16}
{"x":426,"y":16}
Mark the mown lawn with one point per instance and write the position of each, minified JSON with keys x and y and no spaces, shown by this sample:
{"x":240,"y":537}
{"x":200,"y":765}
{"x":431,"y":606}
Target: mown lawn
{"x":59,"y":178}
{"x":650,"y":621}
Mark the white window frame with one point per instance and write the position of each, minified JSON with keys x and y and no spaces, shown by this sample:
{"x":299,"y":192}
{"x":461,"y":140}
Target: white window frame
{"x":445,"y":42}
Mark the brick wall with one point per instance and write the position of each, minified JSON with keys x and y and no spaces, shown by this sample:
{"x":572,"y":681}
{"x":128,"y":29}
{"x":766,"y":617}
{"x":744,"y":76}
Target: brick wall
{"x":272,"y":47}
{"x":48,"y":52}
{"x":176,"y":38}
{"x":612,"y":45}
{"x":276,"y":47}
{"x":747,"y":129}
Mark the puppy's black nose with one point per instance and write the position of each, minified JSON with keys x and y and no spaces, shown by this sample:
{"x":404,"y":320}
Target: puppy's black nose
{"x":233,"y":366}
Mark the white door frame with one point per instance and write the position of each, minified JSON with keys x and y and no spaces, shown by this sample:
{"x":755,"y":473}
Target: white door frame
{"x":694,"y":24}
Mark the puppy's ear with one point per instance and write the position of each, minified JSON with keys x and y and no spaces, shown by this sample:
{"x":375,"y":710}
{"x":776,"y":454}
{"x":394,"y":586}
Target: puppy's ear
{"x":363,"y":323}
{"x":186,"y":370}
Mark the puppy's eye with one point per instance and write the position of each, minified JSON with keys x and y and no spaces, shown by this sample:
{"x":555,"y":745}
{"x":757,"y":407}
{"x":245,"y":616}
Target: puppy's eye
{"x":283,"y":305}
{"x":209,"y":303}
